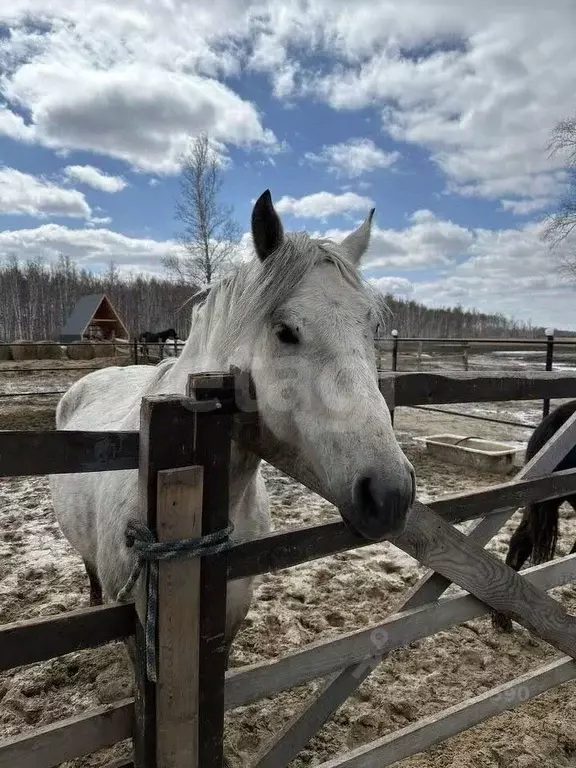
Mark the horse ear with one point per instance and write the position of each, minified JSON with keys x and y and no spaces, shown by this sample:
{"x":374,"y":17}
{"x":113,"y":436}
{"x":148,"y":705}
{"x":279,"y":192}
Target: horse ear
{"x":267,"y":230}
{"x":357,"y":242}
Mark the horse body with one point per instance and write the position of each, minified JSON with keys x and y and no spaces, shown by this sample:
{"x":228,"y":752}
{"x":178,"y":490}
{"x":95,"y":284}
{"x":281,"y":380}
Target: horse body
{"x":147,"y":337}
{"x":537,"y":533}
{"x":300,"y":321}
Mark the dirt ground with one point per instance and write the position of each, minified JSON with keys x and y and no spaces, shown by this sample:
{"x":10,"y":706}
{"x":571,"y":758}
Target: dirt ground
{"x":41,"y":575}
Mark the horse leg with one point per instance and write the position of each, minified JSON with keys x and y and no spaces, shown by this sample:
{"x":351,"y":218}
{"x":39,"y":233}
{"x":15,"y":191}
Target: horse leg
{"x":95,"y":586}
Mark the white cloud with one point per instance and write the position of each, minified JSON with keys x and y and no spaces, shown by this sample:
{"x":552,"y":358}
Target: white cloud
{"x":525,"y":207}
{"x":90,"y":248}
{"x":132,"y":83}
{"x":479,"y":87}
{"x":95,"y":178}
{"x":320,"y":205}
{"x":397,"y":286}
{"x":426,"y":242}
{"x":21,"y":193}
{"x":353,"y":158}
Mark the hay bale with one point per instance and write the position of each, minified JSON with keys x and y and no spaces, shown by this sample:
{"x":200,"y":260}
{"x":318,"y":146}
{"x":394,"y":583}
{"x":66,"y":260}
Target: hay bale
{"x":80,"y":350}
{"x":48,"y":350}
{"x":103,"y":349}
{"x":23,"y":350}
{"x":5,"y":352}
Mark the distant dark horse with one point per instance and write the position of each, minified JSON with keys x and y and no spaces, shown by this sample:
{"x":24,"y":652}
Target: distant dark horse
{"x":537,"y":533}
{"x":147,"y":337}
{"x":154,"y":338}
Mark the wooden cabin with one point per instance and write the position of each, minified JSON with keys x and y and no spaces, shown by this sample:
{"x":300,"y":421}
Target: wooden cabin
{"x":94,"y":319}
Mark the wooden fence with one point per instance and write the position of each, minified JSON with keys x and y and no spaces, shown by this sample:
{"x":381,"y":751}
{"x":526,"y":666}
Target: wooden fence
{"x":182,"y":454}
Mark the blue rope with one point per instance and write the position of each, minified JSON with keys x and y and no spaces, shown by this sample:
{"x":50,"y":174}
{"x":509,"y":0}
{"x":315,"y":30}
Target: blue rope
{"x":149,"y":549}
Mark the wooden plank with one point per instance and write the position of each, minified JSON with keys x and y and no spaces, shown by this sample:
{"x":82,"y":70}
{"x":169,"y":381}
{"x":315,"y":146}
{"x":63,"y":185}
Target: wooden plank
{"x":431,"y":586}
{"x":213,"y":448}
{"x":168,"y":434}
{"x":179,"y":517}
{"x":286,"y":548}
{"x":366,"y":647}
{"x":419,"y":736}
{"x":59,"y":452}
{"x":431,"y":388}
{"x":54,"y":744}
{"x":33,"y":640}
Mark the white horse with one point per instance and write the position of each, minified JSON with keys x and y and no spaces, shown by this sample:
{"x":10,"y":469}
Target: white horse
{"x":301,"y":320}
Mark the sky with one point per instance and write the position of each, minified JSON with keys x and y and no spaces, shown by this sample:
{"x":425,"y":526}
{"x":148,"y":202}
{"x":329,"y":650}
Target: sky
{"x":437,"y":113}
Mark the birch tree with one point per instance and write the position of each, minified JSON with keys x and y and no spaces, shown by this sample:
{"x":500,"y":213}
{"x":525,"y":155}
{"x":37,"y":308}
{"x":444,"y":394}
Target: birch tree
{"x":210,"y":237}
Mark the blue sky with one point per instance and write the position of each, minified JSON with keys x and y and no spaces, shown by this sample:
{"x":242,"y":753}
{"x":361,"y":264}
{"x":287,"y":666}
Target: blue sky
{"x":438,"y":113}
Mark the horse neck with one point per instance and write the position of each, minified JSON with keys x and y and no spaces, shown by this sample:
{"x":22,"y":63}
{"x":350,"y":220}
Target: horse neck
{"x":212,"y":359}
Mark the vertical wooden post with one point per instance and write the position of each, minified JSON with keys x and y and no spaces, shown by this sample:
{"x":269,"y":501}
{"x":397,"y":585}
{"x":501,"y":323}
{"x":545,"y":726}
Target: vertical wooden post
{"x":213,"y":444}
{"x":465,"y":348}
{"x":394,"y":364}
{"x":548,"y":365}
{"x":179,"y":517}
{"x":167,"y":441}
{"x":135,"y":351}
{"x":419,"y":358}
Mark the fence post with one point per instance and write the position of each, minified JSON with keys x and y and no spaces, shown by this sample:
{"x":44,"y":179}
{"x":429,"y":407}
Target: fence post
{"x":394,"y":335}
{"x":167,"y":441}
{"x":465,"y":348}
{"x":549,"y":365}
{"x":213,"y":446}
{"x":135,"y":351}
{"x":177,"y":695}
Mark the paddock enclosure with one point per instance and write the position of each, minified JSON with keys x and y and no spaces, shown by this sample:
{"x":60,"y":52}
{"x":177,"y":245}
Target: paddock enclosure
{"x":184,"y":718}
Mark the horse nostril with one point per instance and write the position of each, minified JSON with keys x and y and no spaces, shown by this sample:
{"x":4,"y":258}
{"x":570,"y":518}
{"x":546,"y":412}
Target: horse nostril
{"x":382,"y":502}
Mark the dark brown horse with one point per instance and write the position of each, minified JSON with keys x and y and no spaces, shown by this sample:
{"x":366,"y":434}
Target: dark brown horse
{"x":537,"y":534}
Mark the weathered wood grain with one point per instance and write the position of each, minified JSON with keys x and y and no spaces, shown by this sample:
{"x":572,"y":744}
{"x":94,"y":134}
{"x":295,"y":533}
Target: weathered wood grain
{"x":33,"y":640}
{"x":43,"y":453}
{"x":364,"y":649}
{"x":428,"y":388}
{"x":431,"y":585}
{"x":212,"y":451}
{"x":167,"y":441}
{"x":179,"y":517}
{"x":419,"y":736}
{"x":54,"y":744}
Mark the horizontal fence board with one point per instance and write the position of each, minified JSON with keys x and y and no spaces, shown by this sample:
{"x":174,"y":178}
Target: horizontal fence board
{"x":34,"y":640}
{"x":49,"y":746}
{"x":283,"y":549}
{"x":43,"y":453}
{"x":422,"y":734}
{"x":431,"y":388}
{"x":68,"y":452}
{"x":258,"y":681}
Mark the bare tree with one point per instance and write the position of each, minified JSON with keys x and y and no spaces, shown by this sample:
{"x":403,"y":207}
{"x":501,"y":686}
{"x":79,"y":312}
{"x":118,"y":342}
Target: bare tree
{"x":210,"y":239}
{"x":561,"y":225}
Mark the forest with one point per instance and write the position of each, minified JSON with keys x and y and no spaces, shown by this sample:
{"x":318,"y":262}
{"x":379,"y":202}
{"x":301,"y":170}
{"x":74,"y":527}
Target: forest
{"x":36,"y":299}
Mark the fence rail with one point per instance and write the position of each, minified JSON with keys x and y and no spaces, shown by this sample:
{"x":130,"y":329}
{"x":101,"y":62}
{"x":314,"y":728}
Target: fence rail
{"x":182,"y":454}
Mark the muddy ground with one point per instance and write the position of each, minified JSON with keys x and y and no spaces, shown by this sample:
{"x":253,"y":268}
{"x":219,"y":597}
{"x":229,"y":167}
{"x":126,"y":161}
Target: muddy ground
{"x":41,"y":575}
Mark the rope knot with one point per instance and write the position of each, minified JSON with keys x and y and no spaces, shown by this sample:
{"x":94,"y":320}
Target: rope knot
{"x":149,"y":550}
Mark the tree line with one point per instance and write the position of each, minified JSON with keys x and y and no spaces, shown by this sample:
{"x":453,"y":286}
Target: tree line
{"x":37,"y":298}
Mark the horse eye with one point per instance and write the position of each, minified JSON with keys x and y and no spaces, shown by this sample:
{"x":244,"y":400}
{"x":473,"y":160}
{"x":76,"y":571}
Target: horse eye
{"x":286,"y":335}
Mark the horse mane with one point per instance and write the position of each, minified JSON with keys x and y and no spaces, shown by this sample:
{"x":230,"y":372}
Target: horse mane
{"x":239,"y":304}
